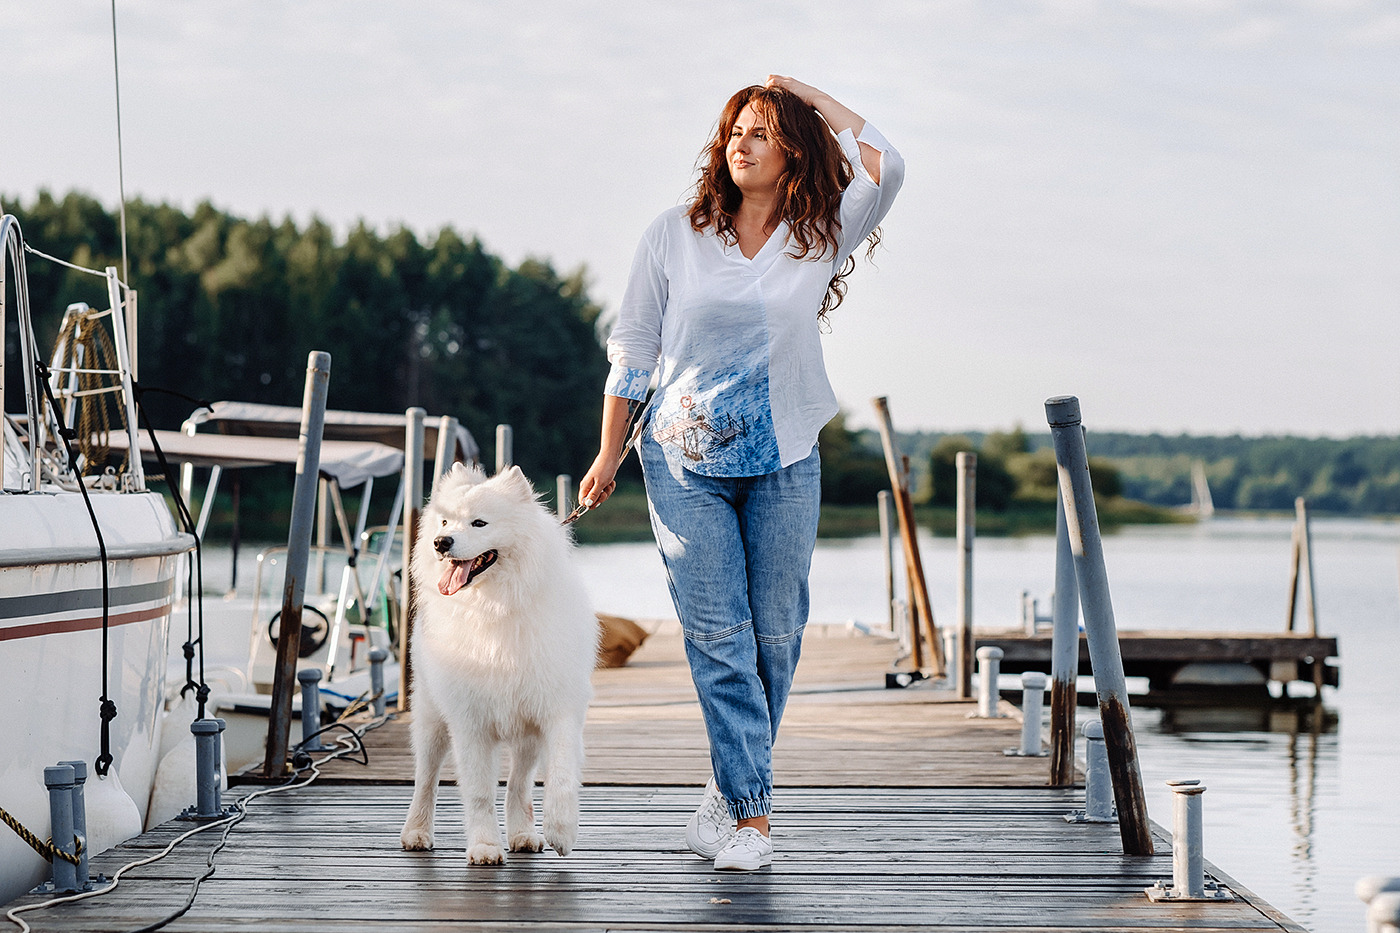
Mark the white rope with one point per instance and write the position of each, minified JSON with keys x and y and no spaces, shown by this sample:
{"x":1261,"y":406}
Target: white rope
{"x":75,"y":268}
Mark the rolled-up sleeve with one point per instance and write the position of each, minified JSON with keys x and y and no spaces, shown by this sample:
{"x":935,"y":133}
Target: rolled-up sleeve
{"x":635,"y":343}
{"x":865,"y":203}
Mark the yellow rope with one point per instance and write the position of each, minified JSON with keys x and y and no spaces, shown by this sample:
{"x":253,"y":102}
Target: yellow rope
{"x":46,"y":849}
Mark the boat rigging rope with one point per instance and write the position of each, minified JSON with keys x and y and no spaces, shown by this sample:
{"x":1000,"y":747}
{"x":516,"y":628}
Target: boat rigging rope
{"x":46,"y":849}
{"x":196,"y":585}
{"x":108,"y":709}
{"x":89,"y":355}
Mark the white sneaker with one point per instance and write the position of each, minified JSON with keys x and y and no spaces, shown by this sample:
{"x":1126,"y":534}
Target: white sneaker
{"x":710,"y":826}
{"x":747,"y":851}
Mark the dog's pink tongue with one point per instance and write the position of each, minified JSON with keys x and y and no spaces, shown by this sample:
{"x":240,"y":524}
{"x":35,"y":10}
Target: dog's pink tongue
{"x":453,"y":578}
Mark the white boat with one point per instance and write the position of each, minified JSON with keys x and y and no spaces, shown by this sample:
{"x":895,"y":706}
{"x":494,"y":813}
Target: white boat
{"x":352,"y":586}
{"x":77,"y":628}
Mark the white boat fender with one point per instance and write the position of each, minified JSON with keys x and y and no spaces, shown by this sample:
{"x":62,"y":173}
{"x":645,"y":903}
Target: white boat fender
{"x":112,"y":816}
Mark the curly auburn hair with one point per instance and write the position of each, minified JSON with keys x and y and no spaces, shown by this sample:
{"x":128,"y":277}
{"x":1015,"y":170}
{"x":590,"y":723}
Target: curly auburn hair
{"x":809,"y":189}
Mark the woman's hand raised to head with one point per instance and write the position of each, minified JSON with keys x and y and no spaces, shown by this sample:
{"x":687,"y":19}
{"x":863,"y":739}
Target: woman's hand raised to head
{"x":837,"y":116}
{"x":805,"y":92}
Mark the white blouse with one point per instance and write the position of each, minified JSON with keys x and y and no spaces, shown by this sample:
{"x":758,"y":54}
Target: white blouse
{"x":742,"y":388}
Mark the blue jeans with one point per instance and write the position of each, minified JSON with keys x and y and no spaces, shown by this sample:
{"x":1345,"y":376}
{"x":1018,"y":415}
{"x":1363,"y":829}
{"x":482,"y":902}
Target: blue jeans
{"x":737,"y":552}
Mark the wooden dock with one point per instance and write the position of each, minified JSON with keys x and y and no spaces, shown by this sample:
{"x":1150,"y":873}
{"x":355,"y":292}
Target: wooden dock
{"x":1161,"y":656}
{"x":894,"y":811}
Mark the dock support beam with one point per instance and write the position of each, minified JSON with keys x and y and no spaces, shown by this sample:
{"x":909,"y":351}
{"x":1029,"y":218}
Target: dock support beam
{"x":313,"y":422}
{"x":412,"y":513}
{"x":967,"y":531}
{"x":1082,"y":522}
{"x":1064,"y":654}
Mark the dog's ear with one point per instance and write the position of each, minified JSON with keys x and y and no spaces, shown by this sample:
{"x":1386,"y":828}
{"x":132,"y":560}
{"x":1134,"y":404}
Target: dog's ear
{"x":514,"y":481}
{"x":471,"y":475}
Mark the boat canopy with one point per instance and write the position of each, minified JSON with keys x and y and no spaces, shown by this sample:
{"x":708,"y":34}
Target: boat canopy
{"x":349,"y":463}
{"x":253,"y":418}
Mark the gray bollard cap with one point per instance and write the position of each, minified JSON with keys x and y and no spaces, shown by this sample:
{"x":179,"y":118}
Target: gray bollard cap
{"x":1033,"y":680}
{"x":58,"y":776}
{"x":378,"y":654}
{"x":308,"y":675}
{"x":1062,"y":410}
{"x":1093,"y":729}
{"x":79,"y":770}
{"x":207,"y":726}
{"x":990,"y":652}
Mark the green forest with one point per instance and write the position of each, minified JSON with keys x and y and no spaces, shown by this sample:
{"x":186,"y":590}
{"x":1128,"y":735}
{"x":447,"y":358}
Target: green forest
{"x":230,"y":307}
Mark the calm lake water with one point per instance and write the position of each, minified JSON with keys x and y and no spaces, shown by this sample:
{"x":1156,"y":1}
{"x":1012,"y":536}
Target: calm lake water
{"x":1294,"y":812}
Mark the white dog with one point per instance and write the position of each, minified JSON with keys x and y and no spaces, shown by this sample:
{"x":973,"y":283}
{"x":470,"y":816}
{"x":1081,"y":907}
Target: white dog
{"x":502,"y":652}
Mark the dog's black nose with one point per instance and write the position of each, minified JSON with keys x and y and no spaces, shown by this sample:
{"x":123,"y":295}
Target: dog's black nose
{"x":443,"y":543}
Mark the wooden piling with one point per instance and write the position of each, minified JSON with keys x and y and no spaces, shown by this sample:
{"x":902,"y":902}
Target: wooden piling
{"x":904,"y":508}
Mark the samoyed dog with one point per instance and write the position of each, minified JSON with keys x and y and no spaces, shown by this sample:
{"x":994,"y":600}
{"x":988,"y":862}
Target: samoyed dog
{"x":502,"y":651}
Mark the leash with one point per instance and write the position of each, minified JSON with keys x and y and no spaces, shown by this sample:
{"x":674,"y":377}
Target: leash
{"x":634,"y":431}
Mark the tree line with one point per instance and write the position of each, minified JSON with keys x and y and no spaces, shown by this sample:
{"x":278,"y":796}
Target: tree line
{"x":1344,"y":476}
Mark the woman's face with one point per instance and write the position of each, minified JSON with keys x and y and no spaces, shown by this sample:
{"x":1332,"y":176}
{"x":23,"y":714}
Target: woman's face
{"x":755,"y":163}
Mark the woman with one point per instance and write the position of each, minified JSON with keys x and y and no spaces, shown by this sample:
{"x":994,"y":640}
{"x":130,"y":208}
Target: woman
{"x":727,"y":296}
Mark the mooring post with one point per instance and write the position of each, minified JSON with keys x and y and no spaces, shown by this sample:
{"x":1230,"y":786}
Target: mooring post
{"x":1064,"y":655}
{"x":59,"y":780}
{"x":1098,"y":782}
{"x":885,"y":507}
{"x":412,"y":513}
{"x":988,"y":672}
{"x":313,"y":420}
{"x":208,"y":783}
{"x":967,"y":531}
{"x":310,"y":680}
{"x":1381,"y":894}
{"x":505,"y":441}
{"x":445,"y":453}
{"x":1032,"y":706}
{"x":563,"y":494}
{"x":1300,"y":505}
{"x":1082,"y":521}
{"x":377,"y":657}
{"x":80,"y":819}
{"x":1188,"y":850}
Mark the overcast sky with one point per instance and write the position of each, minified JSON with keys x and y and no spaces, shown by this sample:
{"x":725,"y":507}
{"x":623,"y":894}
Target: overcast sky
{"x":1185,"y":212}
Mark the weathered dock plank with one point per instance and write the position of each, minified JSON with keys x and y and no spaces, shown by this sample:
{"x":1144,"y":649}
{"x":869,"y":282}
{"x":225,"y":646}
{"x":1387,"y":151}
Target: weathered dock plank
{"x":894,"y":811}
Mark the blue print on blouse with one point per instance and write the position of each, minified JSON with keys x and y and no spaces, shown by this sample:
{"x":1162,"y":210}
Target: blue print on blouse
{"x":719,"y":423}
{"x":628,"y":383}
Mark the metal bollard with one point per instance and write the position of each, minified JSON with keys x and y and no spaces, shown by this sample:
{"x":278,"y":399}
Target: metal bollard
{"x":1188,"y":858}
{"x":505,"y":447}
{"x":208,"y":752}
{"x":1032,"y":704}
{"x":59,"y":779}
{"x":1382,"y":897}
{"x":563,"y":485}
{"x":377,"y":657}
{"x":310,"y":679}
{"x":988,"y":671}
{"x":1383,"y":916}
{"x":80,"y":820}
{"x":1098,"y":781}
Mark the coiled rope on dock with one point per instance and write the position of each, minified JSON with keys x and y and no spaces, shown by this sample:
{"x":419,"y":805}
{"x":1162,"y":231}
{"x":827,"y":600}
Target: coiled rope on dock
{"x":45,"y":848}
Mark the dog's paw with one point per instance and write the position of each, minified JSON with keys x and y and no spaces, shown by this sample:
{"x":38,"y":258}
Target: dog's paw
{"x":527,"y":842}
{"x":561,"y":835}
{"x":486,"y":853}
{"x":416,"y":840}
